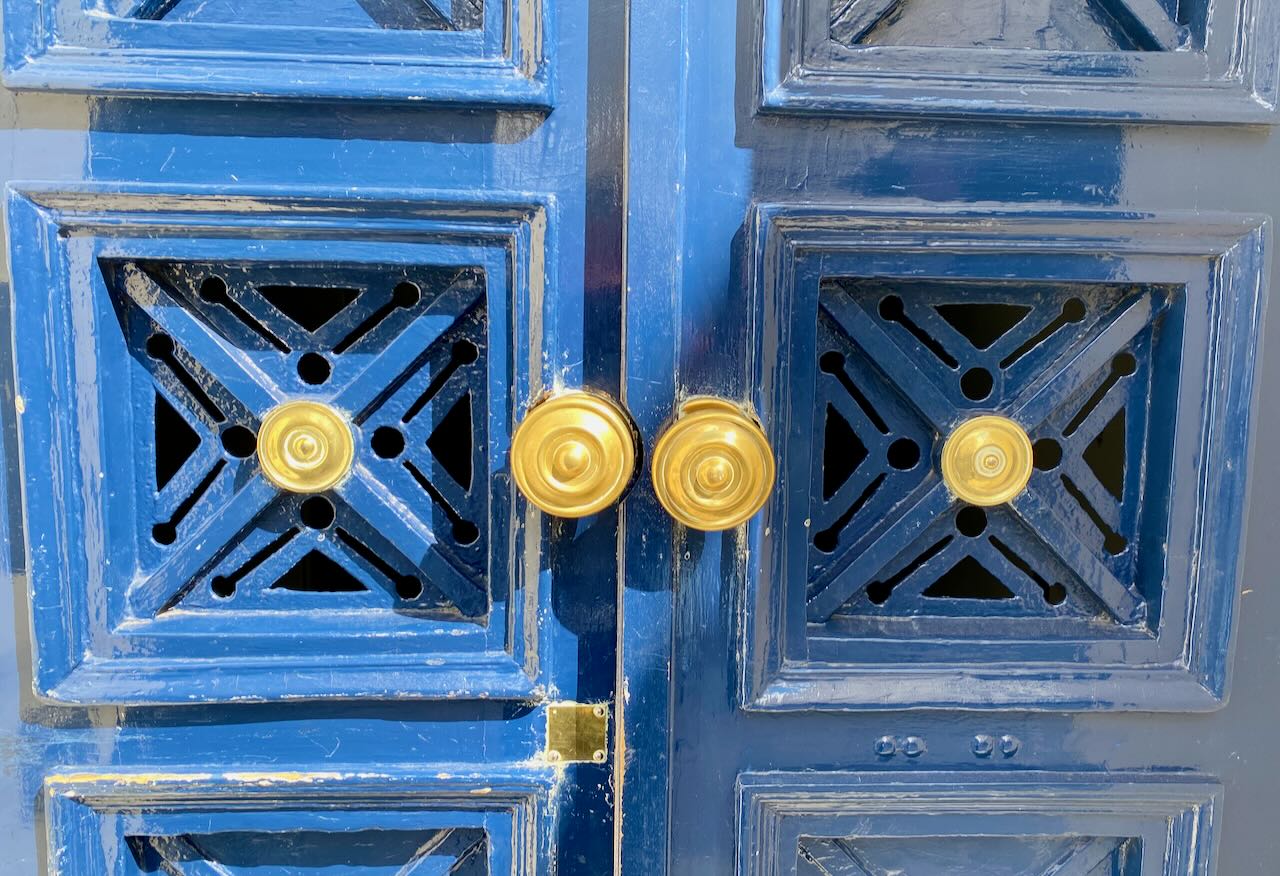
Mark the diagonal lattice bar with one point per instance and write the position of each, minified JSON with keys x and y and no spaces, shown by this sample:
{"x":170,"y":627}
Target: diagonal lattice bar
{"x":896,"y":535}
{"x":225,"y":363}
{"x":862,"y":330}
{"x":1119,"y":600}
{"x":1040,"y":400}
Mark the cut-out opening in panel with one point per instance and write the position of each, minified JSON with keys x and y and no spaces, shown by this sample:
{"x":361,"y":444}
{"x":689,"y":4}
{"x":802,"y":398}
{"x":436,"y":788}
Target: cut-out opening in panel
{"x":990,"y":347}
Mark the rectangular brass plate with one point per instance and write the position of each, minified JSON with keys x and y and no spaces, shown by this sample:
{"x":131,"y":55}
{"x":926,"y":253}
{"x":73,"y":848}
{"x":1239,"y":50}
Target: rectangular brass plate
{"x":577,"y":732}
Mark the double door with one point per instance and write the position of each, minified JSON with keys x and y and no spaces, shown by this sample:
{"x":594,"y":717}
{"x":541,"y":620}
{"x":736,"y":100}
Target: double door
{"x":512,"y":437}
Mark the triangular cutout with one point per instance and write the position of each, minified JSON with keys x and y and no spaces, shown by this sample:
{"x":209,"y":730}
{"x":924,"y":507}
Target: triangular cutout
{"x":317,"y":573}
{"x":450,"y":442}
{"x":309,"y":306}
{"x":983,"y":324}
{"x":842,"y":452}
{"x":175,"y":441}
{"x":968,"y":579}
{"x":1106,"y":455}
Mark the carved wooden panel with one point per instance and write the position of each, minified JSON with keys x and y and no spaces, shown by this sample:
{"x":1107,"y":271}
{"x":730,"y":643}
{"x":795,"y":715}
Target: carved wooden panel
{"x":1119,"y":59}
{"x":473,"y":51}
{"x":937,"y":824}
{"x":158,"y":543}
{"x":298,"y":823}
{"x":1110,"y":580}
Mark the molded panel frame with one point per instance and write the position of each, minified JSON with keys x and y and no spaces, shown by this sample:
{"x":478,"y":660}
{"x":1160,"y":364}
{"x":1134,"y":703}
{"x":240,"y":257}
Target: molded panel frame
{"x":1220,"y":262}
{"x":90,"y":813}
{"x":1235,"y":78}
{"x":75,"y":45}
{"x":1175,"y":816}
{"x":88,"y":647}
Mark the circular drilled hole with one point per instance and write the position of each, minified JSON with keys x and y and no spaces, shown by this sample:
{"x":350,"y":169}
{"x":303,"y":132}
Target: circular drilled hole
{"x":222,"y":587}
{"x":465,"y":352}
{"x":314,"y":368}
{"x":878,"y":592}
{"x":826,"y":541}
{"x":408,"y":587}
{"x":213,"y":289}
{"x":1055,"y":594}
{"x":164,"y":533}
{"x":387,"y":442}
{"x":904,"y":454}
{"x":971,"y":521}
{"x":317,"y":512}
{"x":239,"y":441}
{"x":831,"y":362}
{"x":1073,"y":310}
{"x":891,"y":308}
{"x":976,"y":384}
{"x":465,"y":532}
{"x":406,"y":294}
{"x":159,"y":346}
{"x":1046,"y":454}
{"x":1124,"y":364}
{"x":1115,"y":543}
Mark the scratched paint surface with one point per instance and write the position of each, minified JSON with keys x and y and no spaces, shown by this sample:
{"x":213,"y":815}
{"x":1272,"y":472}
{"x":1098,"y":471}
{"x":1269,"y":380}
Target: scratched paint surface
{"x":438,"y":764}
{"x":401,"y":771}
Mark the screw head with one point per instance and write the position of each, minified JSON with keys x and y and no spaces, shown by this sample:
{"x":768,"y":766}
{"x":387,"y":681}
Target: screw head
{"x":599,"y":755}
{"x":984,"y":745}
{"x":886,"y":746}
{"x":1009,"y":745}
{"x":913,"y":746}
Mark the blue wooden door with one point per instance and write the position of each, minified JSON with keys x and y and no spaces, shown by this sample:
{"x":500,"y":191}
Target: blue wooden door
{"x":999,"y":320}
{"x":727,"y":437}
{"x":285,"y":279}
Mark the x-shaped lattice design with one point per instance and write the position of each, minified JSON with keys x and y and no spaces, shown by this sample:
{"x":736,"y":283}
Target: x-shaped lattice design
{"x":383,"y":384}
{"x":461,"y":852}
{"x":1147,"y":21}
{"x":1048,"y":387}
{"x":839,"y":857}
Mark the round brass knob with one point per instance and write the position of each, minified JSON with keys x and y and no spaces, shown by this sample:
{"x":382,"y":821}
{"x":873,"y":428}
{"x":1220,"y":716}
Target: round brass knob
{"x":713,"y":468}
{"x":573,"y":454}
{"x":305,"y":447}
{"x":987,"y":460}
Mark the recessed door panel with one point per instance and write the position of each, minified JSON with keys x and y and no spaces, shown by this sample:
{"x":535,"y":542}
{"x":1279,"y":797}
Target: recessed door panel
{"x":457,"y":51}
{"x":937,"y":824}
{"x":885,"y":566}
{"x":177,"y":520}
{"x":1126,"y":60}
{"x":297,"y":823}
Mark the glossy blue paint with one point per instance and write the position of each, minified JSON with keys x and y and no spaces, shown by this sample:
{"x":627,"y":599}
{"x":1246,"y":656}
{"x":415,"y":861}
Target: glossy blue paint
{"x":436,"y":51}
{"x":162,"y":596}
{"x":353,"y":720}
{"x":1129,"y":60}
{"x":611,"y":188}
{"x":840,"y":614}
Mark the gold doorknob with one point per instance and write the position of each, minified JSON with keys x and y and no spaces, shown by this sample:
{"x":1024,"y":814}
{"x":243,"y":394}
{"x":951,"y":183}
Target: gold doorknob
{"x":305,"y":446}
{"x":573,"y":454}
{"x":987,"y":460}
{"x":713,"y":468}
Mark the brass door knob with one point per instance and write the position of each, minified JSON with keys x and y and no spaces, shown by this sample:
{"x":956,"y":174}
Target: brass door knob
{"x":987,"y":460}
{"x":573,"y":454}
{"x":305,"y":446}
{"x":713,"y":468}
